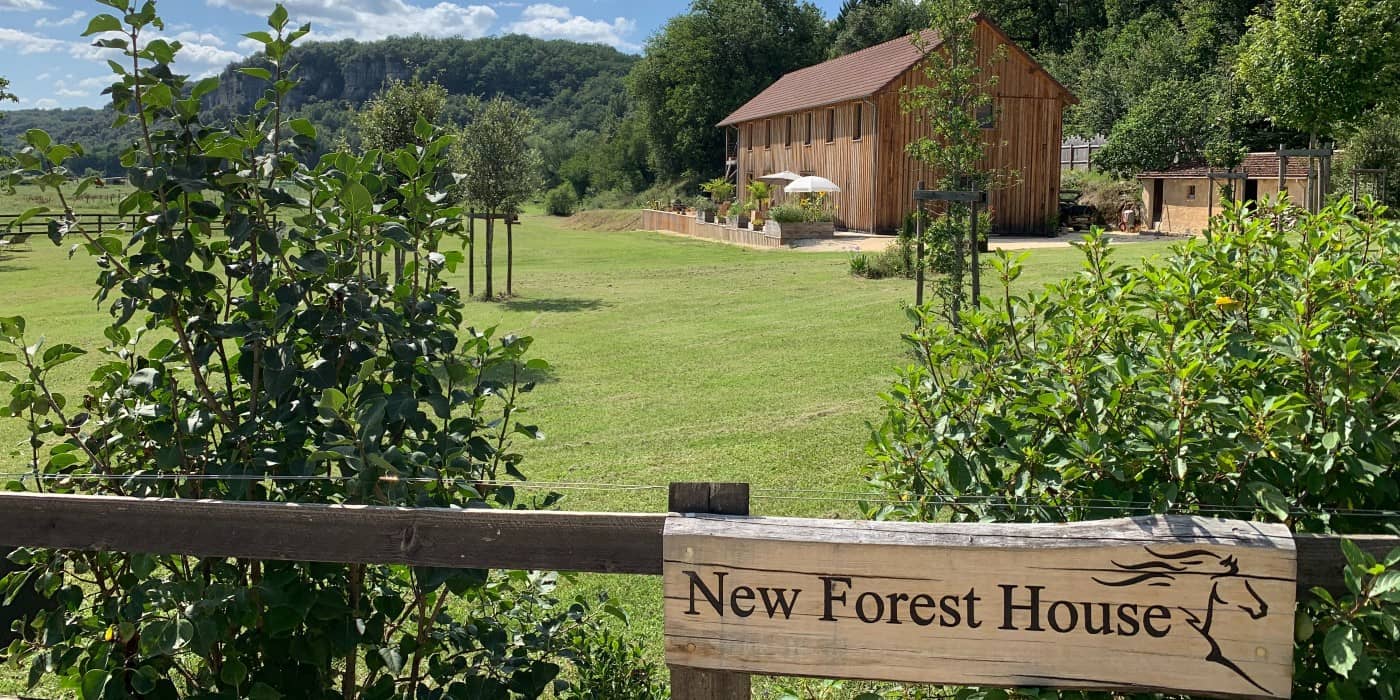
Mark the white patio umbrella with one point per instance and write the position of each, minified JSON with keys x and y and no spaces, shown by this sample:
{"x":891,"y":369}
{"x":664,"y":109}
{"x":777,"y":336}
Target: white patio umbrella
{"x":784,"y":176}
{"x":811,"y":183}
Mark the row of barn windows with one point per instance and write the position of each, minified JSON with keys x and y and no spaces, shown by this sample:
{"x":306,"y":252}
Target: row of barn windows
{"x":986,"y":116}
{"x":808,"y":121}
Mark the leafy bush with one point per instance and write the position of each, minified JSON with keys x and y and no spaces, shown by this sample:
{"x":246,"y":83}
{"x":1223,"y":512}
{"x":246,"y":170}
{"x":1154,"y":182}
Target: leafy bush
{"x":1373,"y":142}
{"x":720,"y":189}
{"x":560,"y":201}
{"x":1105,"y":193}
{"x":285,"y":363}
{"x":1248,"y":375}
{"x":804,"y":210}
{"x":1356,"y":636}
{"x":787,"y":214}
{"x":705,"y":205}
{"x":860,"y":265}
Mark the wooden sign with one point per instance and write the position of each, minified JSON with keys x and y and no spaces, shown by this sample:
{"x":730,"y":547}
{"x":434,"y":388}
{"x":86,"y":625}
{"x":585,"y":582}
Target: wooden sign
{"x":1175,"y":604}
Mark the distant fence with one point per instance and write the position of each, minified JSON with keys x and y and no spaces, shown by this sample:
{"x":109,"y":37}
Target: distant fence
{"x":688,"y":225}
{"x":93,"y":223}
{"x":626,"y":543}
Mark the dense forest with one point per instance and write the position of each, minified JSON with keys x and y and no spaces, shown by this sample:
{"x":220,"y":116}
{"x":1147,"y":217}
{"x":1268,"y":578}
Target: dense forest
{"x":576,"y":90}
{"x":1163,"y":80}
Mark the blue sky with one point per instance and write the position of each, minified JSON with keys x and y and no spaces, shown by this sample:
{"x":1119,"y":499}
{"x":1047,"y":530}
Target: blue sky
{"x":50,"y":65}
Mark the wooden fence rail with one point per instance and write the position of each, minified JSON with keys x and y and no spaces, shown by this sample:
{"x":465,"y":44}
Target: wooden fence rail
{"x":627,"y":543}
{"x":615,"y":543}
{"x":39,"y":225}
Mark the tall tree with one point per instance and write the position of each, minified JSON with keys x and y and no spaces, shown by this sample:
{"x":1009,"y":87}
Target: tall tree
{"x":1313,"y":65}
{"x":386,"y":121}
{"x":870,"y":23}
{"x":5,"y":93}
{"x":498,"y":170}
{"x":705,"y":63}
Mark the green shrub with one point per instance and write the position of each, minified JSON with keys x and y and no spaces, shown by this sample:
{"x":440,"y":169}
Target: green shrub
{"x":560,"y":201}
{"x":1249,"y":375}
{"x":1351,"y":643}
{"x":787,"y":214}
{"x":1105,"y":193}
{"x":860,"y":265}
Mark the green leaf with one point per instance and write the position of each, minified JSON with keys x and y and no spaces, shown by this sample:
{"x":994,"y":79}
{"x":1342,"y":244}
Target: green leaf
{"x":30,"y":213}
{"x":204,"y":87}
{"x":38,"y":138}
{"x":1268,"y":497}
{"x":263,"y":691}
{"x":95,"y":683}
{"x":102,"y":23}
{"x":357,"y":197}
{"x":303,"y":127}
{"x":233,"y":673}
{"x":1341,"y":648}
{"x":60,"y":354}
{"x":260,"y":73}
{"x":1385,"y":583}
{"x":278,"y":18}
{"x":144,"y":380}
{"x":1355,"y":557}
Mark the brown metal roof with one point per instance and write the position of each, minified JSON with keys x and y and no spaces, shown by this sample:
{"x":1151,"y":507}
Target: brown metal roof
{"x":1258,"y":166}
{"x":850,"y":77}
{"x":857,"y":75}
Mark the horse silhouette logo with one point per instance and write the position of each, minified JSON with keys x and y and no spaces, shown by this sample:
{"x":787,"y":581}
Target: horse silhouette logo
{"x":1229,"y":588}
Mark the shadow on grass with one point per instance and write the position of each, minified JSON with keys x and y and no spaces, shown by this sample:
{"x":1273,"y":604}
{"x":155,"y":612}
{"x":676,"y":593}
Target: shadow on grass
{"x":526,"y":376}
{"x":558,"y":306}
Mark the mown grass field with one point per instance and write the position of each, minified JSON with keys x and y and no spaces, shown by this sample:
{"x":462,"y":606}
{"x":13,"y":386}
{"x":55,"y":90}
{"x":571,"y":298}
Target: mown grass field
{"x":672,"y":359}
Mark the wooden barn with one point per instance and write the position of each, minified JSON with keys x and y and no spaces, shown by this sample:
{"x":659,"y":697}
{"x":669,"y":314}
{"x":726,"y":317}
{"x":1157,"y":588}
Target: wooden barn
{"x":843,"y":120}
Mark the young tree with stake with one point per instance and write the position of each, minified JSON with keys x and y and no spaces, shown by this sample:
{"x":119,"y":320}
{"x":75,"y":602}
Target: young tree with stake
{"x":953,"y":103}
{"x":496,"y":170}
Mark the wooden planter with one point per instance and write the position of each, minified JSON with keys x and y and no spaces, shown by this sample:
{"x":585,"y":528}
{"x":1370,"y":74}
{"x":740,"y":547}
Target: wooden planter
{"x":800,"y":230}
{"x":706,"y":217}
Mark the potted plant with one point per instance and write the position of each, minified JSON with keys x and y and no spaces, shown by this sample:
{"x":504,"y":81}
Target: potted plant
{"x":705,"y":209}
{"x":720,"y":189}
{"x":759,"y":193}
{"x":739,"y":214}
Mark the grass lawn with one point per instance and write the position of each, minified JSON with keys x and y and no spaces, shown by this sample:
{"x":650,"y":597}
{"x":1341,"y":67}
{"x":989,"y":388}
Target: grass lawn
{"x":673,"y":359}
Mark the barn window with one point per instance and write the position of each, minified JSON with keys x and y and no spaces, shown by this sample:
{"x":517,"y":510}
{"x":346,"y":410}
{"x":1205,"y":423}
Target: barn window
{"x":831,"y":125}
{"x":987,"y":116}
{"x":857,"y":126}
{"x":767,"y":133}
{"x":1190,"y":191}
{"x":787,"y":132}
{"x":807,"y":137}
{"x":748,"y":137}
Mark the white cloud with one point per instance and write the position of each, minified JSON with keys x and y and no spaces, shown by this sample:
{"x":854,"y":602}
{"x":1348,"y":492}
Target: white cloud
{"x":74,"y":18}
{"x":377,"y":19}
{"x":557,"y":22}
{"x":45,"y":103}
{"x":24,"y":5}
{"x":25,"y":43}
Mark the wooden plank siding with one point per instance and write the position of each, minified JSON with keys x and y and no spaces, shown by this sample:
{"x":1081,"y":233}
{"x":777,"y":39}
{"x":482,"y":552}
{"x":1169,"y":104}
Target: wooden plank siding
{"x":847,"y":160}
{"x":876,"y":174}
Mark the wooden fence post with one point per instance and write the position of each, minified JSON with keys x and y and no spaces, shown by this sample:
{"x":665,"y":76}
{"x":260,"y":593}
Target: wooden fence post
{"x":720,"y":499}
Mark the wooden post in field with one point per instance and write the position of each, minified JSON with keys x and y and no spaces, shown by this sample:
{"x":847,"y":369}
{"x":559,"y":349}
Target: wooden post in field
{"x":720,"y":499}
{"x":510,"y":253}
{"x":471,"y":253}
{"x":919,"y":249}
